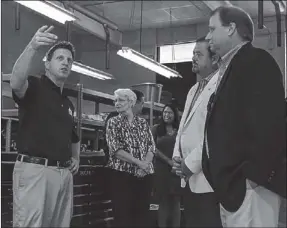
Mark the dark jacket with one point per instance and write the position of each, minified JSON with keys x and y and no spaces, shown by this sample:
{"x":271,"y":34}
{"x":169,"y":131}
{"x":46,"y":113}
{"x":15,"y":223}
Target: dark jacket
{"x":245,"y":127}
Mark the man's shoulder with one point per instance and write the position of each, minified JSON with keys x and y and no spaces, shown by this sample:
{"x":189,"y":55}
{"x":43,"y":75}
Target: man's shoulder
{"x":252,"y":52}
{"x":192,"y":88}
{"x":264,"y":59}
{"x":33,"y":79}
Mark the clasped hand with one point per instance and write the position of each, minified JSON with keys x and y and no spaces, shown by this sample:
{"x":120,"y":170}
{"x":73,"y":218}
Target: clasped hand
{"x":180,"y":168}
{"x":177,"y":167}
{"x":145,"y":168}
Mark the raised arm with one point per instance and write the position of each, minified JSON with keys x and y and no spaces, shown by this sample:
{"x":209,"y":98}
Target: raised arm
{"x":19,"y":82}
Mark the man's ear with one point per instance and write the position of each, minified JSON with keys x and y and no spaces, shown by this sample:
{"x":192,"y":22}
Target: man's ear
{"x":47,"y":64}
{"x":215,"y":59}
{"x":232,"y":28}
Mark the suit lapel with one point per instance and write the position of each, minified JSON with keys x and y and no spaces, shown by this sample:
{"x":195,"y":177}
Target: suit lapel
{"x":188,"y":102}
{"x":200,"y":98}
{"x":223,"y":80}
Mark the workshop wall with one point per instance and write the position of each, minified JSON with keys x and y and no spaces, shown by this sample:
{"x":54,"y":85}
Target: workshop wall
{"x":90,"y":50}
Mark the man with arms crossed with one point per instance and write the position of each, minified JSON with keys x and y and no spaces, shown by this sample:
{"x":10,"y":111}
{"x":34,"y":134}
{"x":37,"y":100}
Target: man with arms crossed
{"x":245,"y":135}
{"x":47,"y":143}
{"x":200,"y":205}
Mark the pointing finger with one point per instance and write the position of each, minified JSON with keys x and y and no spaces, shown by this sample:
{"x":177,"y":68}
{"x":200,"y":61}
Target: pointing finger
{"x":49,"y":29}
{"x":47,"y":36}
{"x":43,"y":28}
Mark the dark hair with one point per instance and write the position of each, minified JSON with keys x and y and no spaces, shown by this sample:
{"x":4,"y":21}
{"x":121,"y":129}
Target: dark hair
{"x":62,"y":44}
{"x":242,"y":20}
{"x":161,"y":128}
{"x":139,"y":94}
{"x":203,"y":40}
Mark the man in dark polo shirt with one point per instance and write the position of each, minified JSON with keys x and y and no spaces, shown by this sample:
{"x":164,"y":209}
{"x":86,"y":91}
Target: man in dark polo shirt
{"x":47,"y":142}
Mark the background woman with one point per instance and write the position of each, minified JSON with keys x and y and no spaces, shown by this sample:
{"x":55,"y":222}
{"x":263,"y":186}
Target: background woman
{"x":131,"y":149}
{"x":167,"y":184}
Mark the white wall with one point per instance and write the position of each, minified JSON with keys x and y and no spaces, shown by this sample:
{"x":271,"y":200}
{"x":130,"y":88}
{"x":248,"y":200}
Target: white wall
{"x":128,"y":73}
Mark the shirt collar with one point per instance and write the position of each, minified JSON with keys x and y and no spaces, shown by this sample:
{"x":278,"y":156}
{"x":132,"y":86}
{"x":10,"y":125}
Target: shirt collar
{"x":125,"y":117}
{"x":231,"y":53}
{"x":48,"y":82}
{"x":207,"y":79}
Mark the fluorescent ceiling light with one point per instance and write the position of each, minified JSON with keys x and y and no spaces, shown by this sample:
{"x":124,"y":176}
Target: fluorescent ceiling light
{"x":282,"y":6}
{"x":89,"y":71}
{"x":92,"y":72}
{"x":147,"y":62}
{"x":50,"y":10}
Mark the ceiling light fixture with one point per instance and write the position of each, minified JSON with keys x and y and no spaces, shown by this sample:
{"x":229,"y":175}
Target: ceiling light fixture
{"x":50,"y":10}
{"x":89,"y":71}
{"x":147,"y":62}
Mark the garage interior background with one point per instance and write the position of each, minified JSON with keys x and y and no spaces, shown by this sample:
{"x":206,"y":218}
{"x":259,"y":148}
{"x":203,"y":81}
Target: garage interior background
{"x":189,"y":22}
{"x":163,"y":22}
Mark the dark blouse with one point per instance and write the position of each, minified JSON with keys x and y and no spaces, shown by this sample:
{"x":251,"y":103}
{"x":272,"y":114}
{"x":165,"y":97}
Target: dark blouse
{"x":135,"y":138}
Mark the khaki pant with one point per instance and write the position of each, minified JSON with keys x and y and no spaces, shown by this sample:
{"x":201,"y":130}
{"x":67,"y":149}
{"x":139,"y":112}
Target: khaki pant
{"x":260,"y":208}
{"x":42,"y":196}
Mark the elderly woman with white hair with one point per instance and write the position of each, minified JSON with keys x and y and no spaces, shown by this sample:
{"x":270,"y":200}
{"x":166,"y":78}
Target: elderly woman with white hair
{"x":131,"y":149}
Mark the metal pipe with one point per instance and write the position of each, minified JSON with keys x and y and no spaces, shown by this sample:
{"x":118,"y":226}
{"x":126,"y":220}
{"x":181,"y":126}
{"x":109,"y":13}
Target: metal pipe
{"x":107,"y":31}
{"x":141,"y":26}
{"x":92,"y":15}
{"x":68,"y":30}
{"x":17,"y":17}
{"x":260,"y":14}
{"x":278,"y":20}
{"x":79,"y":109}
{"x":96,"y":142}
{"x":8,"y":135}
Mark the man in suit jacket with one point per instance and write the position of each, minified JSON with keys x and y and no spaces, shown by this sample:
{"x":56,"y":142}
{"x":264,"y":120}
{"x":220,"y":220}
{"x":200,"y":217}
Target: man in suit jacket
{"x":200,"y":205}
{"x":245,"y":131}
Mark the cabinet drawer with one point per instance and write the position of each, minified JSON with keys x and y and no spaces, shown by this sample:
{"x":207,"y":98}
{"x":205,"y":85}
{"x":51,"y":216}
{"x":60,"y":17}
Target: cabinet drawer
{"x":87,"y":188}
{"x":92,"y":206}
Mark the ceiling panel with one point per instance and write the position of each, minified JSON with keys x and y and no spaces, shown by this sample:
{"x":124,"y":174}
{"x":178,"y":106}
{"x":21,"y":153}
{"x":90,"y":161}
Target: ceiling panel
{"x":116,"y":8}
{"x":189,"y":12}
{"x":127,"y":14}
{"x":156,"y":15}
{"x":175,"y":4}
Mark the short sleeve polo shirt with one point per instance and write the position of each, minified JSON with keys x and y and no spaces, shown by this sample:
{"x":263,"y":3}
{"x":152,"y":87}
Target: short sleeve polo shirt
{"x":46,"y":124}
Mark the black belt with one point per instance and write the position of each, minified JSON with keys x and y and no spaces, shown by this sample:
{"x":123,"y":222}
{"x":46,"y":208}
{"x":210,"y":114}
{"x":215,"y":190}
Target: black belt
{"x":43,"y":161}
